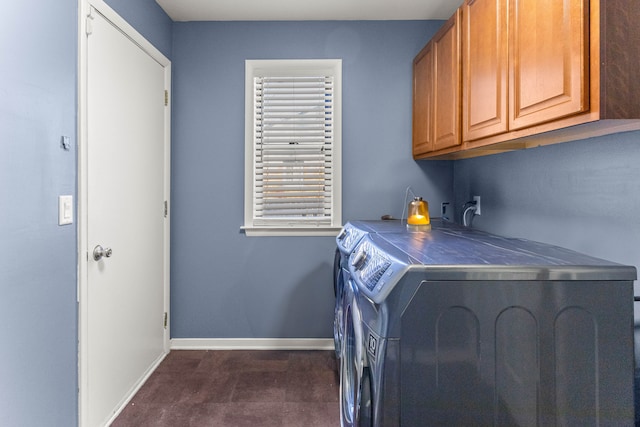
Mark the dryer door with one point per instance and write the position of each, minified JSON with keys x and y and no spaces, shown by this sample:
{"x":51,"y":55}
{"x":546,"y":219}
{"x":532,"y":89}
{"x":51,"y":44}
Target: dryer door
{"x":355,"y":382}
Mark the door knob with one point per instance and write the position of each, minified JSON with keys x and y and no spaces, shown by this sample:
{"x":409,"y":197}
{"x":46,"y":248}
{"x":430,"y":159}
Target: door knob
{"x":99,"y":252}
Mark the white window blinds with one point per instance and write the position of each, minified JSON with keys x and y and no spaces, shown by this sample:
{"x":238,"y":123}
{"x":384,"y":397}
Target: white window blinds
{"x":293,"y":137}
{"x":293,"y":150}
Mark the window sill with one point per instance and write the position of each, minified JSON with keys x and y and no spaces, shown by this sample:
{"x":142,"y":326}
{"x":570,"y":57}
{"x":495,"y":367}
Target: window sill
{"x":290,"y":231}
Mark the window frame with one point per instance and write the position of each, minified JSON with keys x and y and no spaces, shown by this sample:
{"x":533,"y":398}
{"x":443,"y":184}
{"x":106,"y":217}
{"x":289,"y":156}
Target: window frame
{"x":292,"y":67}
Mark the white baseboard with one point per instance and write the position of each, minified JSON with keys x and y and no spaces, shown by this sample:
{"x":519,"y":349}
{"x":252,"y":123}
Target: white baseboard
{"x":252,"y":344}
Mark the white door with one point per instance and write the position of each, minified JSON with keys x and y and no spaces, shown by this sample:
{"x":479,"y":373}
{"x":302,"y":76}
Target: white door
{"x":123,"y":296}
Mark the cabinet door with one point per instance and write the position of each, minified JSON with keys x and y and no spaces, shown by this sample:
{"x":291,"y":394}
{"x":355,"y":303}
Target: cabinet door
{"x":484,"y":69}
{"x":446,"y":95}
{"x":423,"y":101}
{"x":548,"y":58}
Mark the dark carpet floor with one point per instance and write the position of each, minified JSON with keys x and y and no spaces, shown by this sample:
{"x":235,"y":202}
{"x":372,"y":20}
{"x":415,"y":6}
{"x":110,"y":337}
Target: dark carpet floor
{"x":238,"y":388}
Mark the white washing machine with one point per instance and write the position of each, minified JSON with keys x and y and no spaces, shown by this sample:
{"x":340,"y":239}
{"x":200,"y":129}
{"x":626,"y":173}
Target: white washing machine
{"x":458,"y":327}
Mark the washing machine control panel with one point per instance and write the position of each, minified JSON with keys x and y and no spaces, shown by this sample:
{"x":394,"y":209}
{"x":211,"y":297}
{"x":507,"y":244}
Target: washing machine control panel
{"x":376,"y":271}
{"x":348,"y":238}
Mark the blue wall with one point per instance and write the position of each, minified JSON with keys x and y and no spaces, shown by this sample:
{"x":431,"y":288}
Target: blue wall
{"x":38,"y":309}
{"x":583,"y":195}
{"x":38,"y":331}
{"x":224,"y":284}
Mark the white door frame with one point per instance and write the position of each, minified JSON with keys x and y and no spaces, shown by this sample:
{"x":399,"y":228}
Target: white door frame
{"x":85,"y":7}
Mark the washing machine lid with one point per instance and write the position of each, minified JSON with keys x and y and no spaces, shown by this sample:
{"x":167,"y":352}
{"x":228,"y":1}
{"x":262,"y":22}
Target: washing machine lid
{"x":472,"y":247}
{"x":380,"y":261}
{"x":466,"y":254}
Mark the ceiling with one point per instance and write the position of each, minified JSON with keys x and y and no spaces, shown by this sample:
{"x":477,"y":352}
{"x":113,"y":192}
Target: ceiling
{"x":307,"y":10}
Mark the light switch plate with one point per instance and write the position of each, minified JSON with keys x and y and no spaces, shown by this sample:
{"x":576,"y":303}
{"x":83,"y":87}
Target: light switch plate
{"x":65,"y":210}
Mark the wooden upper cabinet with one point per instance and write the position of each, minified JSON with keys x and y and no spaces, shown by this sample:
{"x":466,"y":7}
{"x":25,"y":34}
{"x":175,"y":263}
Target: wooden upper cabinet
{"x":484,"y":69}
{"x":422,"y":101}
{"x":549,"y":77}
{"x":446,"y":100}
{"x":546,"y":75}
{"x":531,"y":73}
{"x":436,"y":91}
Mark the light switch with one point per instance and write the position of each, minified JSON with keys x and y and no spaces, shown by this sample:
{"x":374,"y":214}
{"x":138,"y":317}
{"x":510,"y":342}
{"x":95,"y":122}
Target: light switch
{"x":65,"y":210}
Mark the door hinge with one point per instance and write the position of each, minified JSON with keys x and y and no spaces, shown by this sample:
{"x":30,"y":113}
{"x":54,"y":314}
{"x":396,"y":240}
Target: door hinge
{"x":166,"y":208}
{"x":89,"y":26}
{"x":165,"y":319}
{"x":89,"y":23}
{"x":166,"y":97}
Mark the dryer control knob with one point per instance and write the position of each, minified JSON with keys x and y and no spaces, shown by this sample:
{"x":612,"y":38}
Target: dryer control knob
{"x":359,"y":259}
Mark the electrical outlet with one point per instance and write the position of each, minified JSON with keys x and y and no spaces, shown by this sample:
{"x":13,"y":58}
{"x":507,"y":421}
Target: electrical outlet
{"x":443,"y":211}
{"x":477,"y":200}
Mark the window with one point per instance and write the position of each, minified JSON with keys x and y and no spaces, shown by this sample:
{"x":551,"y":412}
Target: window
{"x":293,"y":147}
